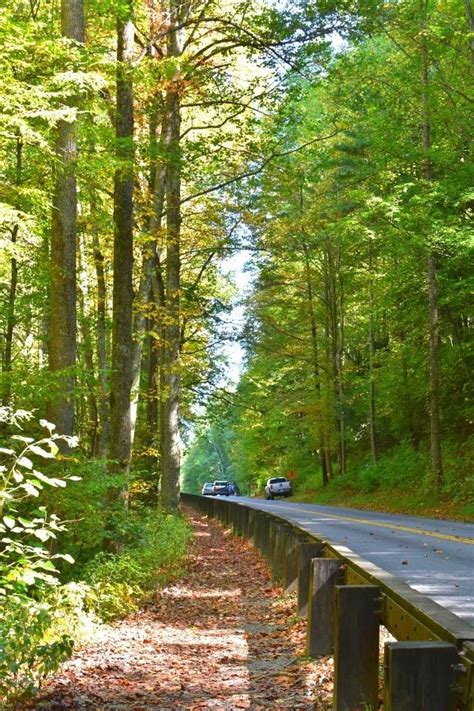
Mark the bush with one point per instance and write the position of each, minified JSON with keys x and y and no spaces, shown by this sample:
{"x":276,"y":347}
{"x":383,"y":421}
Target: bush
{"x":27,"y":656}
{"x":121,"y":582}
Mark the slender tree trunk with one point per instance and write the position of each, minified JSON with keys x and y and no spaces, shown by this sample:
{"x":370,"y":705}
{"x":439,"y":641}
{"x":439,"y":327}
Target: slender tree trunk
{"x":139,"y":331}
{"x":122,"y":343}
{"x":8,"y":351}
{"x":470,"y":24}
{"x":339,"y":325}
{"x":315,"y":362}
{"x":435,"y":435}
{"x":87,"y":351}
{"x":329,"y":384}
{"x":101,"y":335}
{"x":171,"y":452}
{"x":336,"y":331}
{"x":149,"y":263}
{"x":371,"y":347}
{"x":62,"y":345}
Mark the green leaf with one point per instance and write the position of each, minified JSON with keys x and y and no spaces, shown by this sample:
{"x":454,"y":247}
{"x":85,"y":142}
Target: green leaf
{"x":9,"y":521}
{"x":43,"y":534}
{"x":30,"y":489}
{"x":25,"y":462}
{"x":26,"y":522}
{"x":41,"y":452}
{"x":65,"y":556}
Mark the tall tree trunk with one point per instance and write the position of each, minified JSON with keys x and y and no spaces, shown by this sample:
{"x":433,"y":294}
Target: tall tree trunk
{"x":334,"y":299}
{"x":371,"y":347}
{"x":122,"y":344}
{"x":150,"y":252}
{"x":87,"y":350}
{"x":171,"y":452}
{"x":62,"y":345}
{"x":8,"y":352}
{"x":315,"y":363}
{"x":435,"y":436}
{"x":101,"y":336}
{"x":329,"y":365}
{"x":339,"y":325}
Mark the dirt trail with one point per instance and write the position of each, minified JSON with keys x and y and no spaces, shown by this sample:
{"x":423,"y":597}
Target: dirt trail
{"x":221,"y":638}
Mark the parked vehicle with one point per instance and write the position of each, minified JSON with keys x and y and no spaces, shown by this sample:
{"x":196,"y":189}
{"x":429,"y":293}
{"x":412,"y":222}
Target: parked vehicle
{"x":278,"y":486}
{"x":221,"y":488}
{"x":208,"y":489}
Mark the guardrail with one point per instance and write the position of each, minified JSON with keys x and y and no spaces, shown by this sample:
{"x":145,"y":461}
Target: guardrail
{"x":345,"y":600}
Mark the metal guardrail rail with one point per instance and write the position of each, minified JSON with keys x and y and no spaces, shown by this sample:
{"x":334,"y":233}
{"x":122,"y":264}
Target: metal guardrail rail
{"x":346,"y":599}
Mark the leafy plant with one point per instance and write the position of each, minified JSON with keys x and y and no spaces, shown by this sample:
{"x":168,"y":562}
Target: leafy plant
{"x":27,"y":565}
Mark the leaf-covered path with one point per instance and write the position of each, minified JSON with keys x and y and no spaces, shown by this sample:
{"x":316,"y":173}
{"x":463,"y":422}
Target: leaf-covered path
{"x":221,"y":638}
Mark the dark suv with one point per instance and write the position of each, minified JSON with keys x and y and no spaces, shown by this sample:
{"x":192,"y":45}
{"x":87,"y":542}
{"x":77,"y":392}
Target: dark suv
{"x":221,"y":487}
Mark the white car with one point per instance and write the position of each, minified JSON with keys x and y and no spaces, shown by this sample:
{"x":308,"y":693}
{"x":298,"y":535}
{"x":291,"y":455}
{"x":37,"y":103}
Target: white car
{"x":278,"y":486}
{"x":207,"y":489}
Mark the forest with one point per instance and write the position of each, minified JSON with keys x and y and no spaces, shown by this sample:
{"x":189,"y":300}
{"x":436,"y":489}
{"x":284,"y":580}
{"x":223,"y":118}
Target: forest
{"x":142,"y":144}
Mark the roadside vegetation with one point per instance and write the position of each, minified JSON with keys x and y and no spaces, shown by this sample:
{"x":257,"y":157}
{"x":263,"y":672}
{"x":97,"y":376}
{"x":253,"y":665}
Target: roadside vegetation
{"x":51,"y":601}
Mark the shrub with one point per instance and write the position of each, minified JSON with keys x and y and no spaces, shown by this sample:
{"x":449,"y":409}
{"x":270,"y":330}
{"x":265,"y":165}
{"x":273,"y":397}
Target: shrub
{"x":26,"y":653}
{"x":29,"y":647}
{"x":121,"y":582}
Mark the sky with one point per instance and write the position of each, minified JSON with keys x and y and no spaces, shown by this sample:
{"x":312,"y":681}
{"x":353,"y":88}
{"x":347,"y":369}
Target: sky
{"x":235,"y":267}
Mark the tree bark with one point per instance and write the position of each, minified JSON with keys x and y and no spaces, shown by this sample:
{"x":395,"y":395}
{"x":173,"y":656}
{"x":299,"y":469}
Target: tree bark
{"x":122,"y":344}
{"x":315,"y":363}
{"x":149,"y":263}
{"x":371,"y":348}
{"x":101,"y":335}
{"x":8,"y":351}
{"x":87,"y":350}
{"x":435,"y":434}
{"x":63,"y":329}
{"x":470,"y":23}
{"x":171,"y":452}
{"x":339,"y":303}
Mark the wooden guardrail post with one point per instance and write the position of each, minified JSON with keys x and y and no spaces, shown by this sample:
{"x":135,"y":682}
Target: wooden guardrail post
{"x":278,"y":552}
{"x":251,"y":527}
{"x":467,"y":656}
{"x":356,"y":647}
{"x":244,"y":520}
{"x":290,"y":568}
{"x":259,"y":530}
{"x":264,"y":534}
{"x":306,"y":552}
{"x":269,"y":541}
{"x":325,"y":574}
{"x":419,"y":676}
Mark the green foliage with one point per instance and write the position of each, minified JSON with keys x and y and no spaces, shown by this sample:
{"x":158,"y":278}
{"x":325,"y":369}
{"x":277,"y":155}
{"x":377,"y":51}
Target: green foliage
{"x":401,"y":467}
{"x":27,"y":652}
{"x":120,"y":582}
{"x":29,"y":646}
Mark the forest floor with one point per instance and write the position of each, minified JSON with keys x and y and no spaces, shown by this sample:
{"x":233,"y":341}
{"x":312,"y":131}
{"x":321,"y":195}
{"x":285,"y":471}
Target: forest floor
{"x":223,"y":637}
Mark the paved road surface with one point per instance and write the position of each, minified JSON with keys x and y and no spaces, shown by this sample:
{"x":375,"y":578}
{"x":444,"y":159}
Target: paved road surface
{"x":434,"y":557}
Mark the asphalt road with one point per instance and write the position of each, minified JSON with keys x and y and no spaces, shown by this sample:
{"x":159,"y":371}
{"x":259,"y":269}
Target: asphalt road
{"x":434,"y":557}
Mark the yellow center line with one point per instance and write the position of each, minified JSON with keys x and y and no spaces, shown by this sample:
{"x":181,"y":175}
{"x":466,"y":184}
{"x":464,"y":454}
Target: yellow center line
{"x":392,"y":526}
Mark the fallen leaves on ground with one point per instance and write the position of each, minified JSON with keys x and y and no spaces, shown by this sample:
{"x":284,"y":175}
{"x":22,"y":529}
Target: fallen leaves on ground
{"x":221,"y":638}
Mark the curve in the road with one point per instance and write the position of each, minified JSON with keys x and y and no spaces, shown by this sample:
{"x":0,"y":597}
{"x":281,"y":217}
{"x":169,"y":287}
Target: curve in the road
{"x":443,"y":570}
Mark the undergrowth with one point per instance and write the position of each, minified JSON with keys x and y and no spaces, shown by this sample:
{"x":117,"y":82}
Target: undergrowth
{"x":48,"y":602}
{"x":400,"y":481}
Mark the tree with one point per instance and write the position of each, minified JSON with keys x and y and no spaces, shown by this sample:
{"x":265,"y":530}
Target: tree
{"x":62,"y":344}
{"x":122,"y":346}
